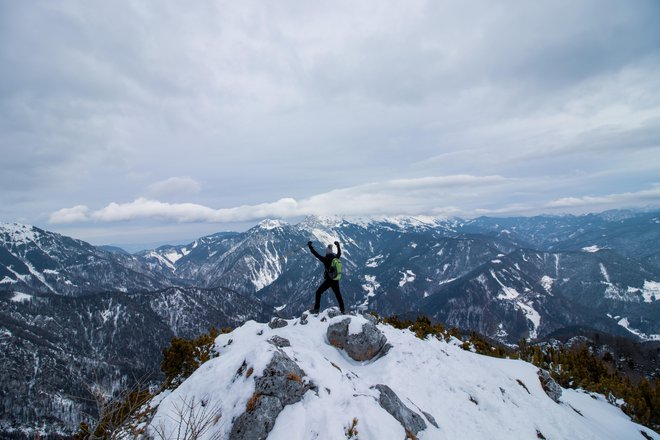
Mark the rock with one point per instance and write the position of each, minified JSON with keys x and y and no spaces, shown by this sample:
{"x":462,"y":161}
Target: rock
{"x":551,"y":388}
{"x":333,"y":312}
{"x":431,"y":419}
{"x":279,"y":341}
{"x":363,"y":346}
{"x":371,"y":318}
{"x":390,"y":402}
{"x":280,"y":385}
{"x":303,"y":318}
{"x":277,"y":323}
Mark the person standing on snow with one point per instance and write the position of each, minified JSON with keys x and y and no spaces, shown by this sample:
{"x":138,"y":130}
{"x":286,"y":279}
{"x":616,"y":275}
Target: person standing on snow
{"x":328,"y":283}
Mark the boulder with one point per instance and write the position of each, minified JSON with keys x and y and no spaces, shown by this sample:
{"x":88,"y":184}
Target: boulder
{"x":277,"y":323}
{"x":390,"y":402}
{"x":280,"y":385}
{"x":279,"y":341}
{"x":551,"y":388}
{"x":363,"y":346}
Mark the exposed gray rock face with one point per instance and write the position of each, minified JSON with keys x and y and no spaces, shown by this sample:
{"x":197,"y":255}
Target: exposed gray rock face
{"x":281,"y":384}
{"x":363,"y":346}
{"x":551,"y":388}
{"x":333,"y":312}
{"x":277,"y":323}
{"x":279,"y":341}
{"x":390,"y":402}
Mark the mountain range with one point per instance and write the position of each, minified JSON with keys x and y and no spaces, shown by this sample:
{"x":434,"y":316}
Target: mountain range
{"x":70,"y":310}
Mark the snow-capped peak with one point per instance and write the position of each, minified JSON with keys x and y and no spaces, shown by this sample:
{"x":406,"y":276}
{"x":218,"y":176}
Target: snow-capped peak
{"x":269,"y":224}
{"x":17,"y":233}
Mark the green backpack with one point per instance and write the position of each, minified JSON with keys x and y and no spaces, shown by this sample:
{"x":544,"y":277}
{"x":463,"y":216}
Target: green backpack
{"x":335,"y":269}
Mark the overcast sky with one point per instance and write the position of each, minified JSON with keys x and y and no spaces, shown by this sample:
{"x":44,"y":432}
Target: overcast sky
{"x":135,"y":122}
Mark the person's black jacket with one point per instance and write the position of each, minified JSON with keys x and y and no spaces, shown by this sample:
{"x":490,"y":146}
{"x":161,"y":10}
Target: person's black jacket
{"x":325,"y":259}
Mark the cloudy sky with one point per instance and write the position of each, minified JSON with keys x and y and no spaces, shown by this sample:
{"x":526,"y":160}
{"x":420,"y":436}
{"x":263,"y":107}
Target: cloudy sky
{"x":128,"y":122}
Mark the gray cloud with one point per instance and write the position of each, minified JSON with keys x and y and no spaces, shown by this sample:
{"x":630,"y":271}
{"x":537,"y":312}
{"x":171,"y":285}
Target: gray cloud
{"x":102,"y":103}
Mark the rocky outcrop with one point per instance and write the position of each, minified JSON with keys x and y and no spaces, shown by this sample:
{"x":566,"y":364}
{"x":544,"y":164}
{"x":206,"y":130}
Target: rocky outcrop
{"x":277,"y":323}
{"x":279,"y":341}
{"x":551,"y":388}
{"x":280,"y":385}
{"x":362,"y":346}
{"x":390,"y":402}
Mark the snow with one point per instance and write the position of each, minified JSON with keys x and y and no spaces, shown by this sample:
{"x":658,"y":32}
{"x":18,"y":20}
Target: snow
{"x":448,"y":280}
{"x":355,"y":326}
{"x":651,"y":291}
{"x":264,"y":273}
{"x":430,"y":376}
{"x":370,"y":287}
{"x":38,"y":275}
{"x":546,"y":283}
{"x":18,"y":233}
{"x":408,"y":277}
{"x":7,"y":280}
{"x":375,"y":261}
{"x":163,"y":259}
{"x":481,"y":279}
{"x":50,"y":272}
{"x":413,"y":245}
{"x":21,"y":297}
{"x":623,"y":322}
{"x":591,"y":249}
{"x":280,"y":308}
{"x":496,"y":261}
{"x":324,"y":237}
{"x":532,"y":316}
{"x":603,"y":271}
{"x":173,"y":256}
{"x":506,"y":292}
{"x":270,"y":224}
{"x":403,"y":221}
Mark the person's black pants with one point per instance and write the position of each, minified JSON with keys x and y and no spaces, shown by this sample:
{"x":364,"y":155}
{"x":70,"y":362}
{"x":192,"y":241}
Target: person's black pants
{"x":329,"y":284}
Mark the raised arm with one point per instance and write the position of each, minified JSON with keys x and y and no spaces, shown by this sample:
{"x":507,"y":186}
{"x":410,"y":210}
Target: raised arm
{"x":316,"y":254}
{"x":338,"y":249}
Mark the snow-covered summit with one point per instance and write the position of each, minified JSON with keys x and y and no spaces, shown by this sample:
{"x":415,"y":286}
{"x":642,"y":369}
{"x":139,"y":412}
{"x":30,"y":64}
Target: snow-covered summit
{"x":446,"y":392}
{"x":272,"y":224}
{"x":17,"y":233}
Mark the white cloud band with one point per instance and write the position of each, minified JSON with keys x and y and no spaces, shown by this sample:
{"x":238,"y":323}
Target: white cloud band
{"x":460,"y":195}
{"x":429,"y":195}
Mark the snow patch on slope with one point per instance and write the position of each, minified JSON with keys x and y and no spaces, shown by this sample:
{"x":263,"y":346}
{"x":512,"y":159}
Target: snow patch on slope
{"x":626,"y":324}
{"x":532,"y":316}
{"x":651,"y":291}
{"x":370,"y":286}
{"x":375,"y":261}
{"x":506,"y":292}
{"x":408,"y":277}
{"x":547,"y":283}
{"x":603,"y":271}
{"x":21,"y":297}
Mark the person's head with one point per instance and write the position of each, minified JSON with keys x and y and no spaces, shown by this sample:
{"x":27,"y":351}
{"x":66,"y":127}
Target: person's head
{"x":329,"y":250}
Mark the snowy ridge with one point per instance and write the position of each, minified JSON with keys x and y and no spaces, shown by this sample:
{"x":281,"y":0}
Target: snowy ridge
{"x":623,"y":322}
{"x":17,"y":233}
{"x":458,"y":394}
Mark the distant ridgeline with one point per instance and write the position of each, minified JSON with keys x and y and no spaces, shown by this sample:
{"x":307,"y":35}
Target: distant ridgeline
{"x":69,"y":310}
